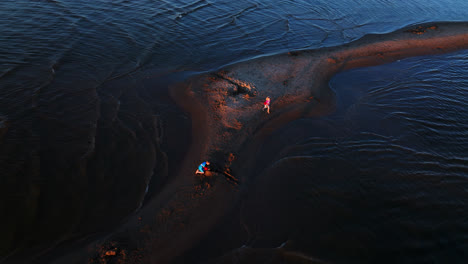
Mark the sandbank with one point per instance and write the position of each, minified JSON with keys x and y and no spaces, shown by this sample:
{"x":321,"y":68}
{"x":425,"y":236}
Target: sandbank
{"x":228,"y":125}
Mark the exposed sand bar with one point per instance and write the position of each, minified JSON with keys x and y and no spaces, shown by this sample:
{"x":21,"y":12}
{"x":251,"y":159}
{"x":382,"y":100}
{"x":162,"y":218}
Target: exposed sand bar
{"x":228,"y":125}
{"x":297,"y":82}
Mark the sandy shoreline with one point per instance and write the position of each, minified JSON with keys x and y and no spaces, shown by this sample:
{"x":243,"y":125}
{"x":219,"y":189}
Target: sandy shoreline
{"x":298,"y":84}
{"x":228,"y":126}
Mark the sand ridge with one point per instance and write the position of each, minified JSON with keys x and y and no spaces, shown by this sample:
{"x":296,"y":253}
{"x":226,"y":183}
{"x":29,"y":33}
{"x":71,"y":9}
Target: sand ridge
{"x":228,"y":125}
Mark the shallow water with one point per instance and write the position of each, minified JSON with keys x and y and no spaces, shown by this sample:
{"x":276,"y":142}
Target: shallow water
{"x":84,"y":127}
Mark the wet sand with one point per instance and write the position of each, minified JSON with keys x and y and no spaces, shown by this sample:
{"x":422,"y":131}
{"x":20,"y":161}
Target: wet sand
{"x":228,"y":125}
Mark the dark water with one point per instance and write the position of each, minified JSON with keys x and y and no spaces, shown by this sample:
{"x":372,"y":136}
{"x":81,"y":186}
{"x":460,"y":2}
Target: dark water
{"x":383,"y":179}
{"x":85,"y":130}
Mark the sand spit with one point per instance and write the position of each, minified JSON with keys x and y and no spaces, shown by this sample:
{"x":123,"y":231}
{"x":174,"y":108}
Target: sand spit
{"x":228,"y":125}
{"x":297,"y":82}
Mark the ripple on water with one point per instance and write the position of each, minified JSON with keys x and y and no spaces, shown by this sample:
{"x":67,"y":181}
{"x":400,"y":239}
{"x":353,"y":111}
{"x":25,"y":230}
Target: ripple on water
{"x":57,"y":57}
{"x":385,"y":177}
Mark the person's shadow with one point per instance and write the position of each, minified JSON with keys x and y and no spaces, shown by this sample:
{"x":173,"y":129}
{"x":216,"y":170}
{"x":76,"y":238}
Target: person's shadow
{"x":225,"y":172}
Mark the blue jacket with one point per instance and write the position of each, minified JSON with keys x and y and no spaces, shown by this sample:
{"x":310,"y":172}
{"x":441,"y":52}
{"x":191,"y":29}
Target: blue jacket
{"x":202,"y":166}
